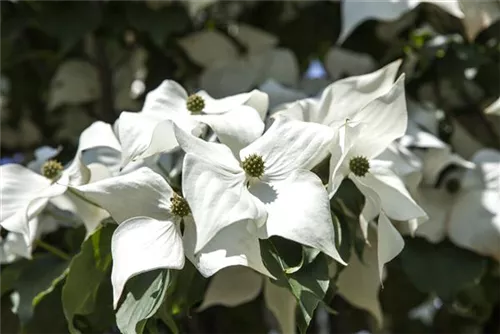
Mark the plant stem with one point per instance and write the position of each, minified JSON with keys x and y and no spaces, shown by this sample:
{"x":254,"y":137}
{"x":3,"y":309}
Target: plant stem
{"x":51,"y":249}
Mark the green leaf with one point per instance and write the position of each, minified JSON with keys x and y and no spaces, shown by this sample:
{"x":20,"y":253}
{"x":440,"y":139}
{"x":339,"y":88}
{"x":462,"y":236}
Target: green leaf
{"x":309,"y":284}
{"x":10,"y":274}
{"x":37,"y":280}
{"x":158,"y":24}
{"x":69,"y":22}
{"x":10,"y":322}
{"x":48,"y":316}
{"x":144,"y":295}
{"x":89,"y":268}
{"x":187,"y":289}
{"x":442,"y":268}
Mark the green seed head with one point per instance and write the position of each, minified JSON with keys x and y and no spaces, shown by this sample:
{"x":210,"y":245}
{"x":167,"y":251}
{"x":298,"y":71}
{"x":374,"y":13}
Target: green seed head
{"x":52,"y":169}
{"x":253,"y":165}
{"x":195,"y":103}
{"x":359,"y":166}
{"x":179,"y":206}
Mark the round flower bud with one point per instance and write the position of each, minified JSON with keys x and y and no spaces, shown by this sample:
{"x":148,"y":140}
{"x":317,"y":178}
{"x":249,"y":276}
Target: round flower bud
{"x":179,"y":206}
{"x":359,"y":166}
{"x":195,"y":103}
{"x":253,"y":165}
{"x":52,"y":169}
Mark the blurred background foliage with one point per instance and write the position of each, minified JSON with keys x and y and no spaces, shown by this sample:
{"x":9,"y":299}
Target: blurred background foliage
{"x":66,"y":64}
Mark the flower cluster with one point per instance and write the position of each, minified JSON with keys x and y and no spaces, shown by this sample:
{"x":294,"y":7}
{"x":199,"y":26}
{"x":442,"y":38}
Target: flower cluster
{"x":249,"y":174}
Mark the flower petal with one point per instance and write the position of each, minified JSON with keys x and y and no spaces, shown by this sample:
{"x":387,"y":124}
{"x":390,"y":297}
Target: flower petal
{"x":143,"y":135}
{"x":345,"y":138}
{"x":282,"y":303}
{"x":208,"y":47}
{"x":218,"y":154}
{"x":289,"y":145}
{"x":299,"y":210}
{"x":24,"y":195}
{"x":142,"y":244}
{"x":233,"y":245}
{"x":359,"y":282}
{"x":166,"y":100}
{"x":231,"y":287}
{"x":385,"y":118}
{"x":279,"y":94}
{"x":390,"y":242}
{"x":228,"y":78}
{"x":138,"y":193}
{"x":474,"y":222}
{"x":437,"y":204}
{"x":395,"y":199}
{"x":217,"y":198}
{"x":255,"y":99}
{"x":237,"y":128}
{"x":356,"y":12}
{"x":345,"y":98}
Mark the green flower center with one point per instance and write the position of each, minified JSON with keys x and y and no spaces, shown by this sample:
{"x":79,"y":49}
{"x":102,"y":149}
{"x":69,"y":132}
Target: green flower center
{"x":179,"y":206}
{"x":52,"y":169}
{"x":253,"y":165}
{"x":359,"y":166}
{"x":195,"y":103}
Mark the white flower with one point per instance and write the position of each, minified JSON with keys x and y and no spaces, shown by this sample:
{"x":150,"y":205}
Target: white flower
{"x":238,"y":285}
{"x":369,"y":113}
{"x":150,"y":131}
{"x":356,"y":12}
{"x":343,"y":98}
{"x":268,"y":183}
{"x":148,"y":237}
{"x":25,"y":193}
{"x":464,"y":204}
{"x":474,"y":221}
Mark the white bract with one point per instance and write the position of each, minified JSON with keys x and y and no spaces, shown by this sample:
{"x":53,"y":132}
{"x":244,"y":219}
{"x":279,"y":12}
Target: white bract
{"x":356,"y":12}
{"x":268,"y":183}
{"x":474,"y":221}
{"x":148,"y":237}
{"x":26,"y":193}
{"x":150,"y":132}
{"x":368,"y":113}
{"x":238,"y":285}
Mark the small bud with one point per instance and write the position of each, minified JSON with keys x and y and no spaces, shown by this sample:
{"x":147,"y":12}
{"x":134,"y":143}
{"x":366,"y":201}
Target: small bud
{"x":253,"y":165}
{"x":359,"y":166}
{"x":179,"y":206}
{"x":52,"y":169}
{"x":195,"y":103}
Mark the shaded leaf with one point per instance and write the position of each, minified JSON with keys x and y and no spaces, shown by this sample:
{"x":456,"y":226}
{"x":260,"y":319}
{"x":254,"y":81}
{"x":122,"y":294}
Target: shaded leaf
{"x":88,"y":268}
{"x":144,"y":295}
{"x":37,"y":280}
{"x":442,"y":268}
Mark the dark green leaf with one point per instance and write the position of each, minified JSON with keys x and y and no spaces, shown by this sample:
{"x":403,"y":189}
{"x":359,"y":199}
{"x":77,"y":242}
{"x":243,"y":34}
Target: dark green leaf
{"x":48,"y":316}
{"x":158,"y":24}
{"x":69,"y":22}
{"x":37,"y":280}
{"x":10,"y":274}
{"x":143,"y":296}
{"x":89,"y":268}
{"x":443,"y":268}
{"x":308,"y":285}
